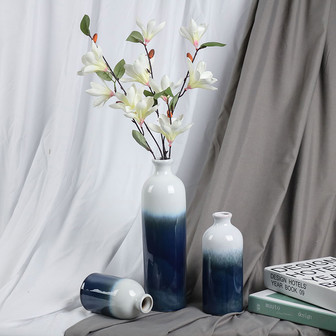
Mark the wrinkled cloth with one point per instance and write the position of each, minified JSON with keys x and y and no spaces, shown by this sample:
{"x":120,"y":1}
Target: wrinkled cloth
{"x":272,"y":164}
{"x":191,"y":321}
{"x":71,"y":174}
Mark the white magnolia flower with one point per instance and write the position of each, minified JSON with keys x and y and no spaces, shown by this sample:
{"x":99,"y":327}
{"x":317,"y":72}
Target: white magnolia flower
{"x":103,"y":92}
{"x":151,"y":30}
{"x":164,"y":84}
{"x":169,"y":130}
{"x":135,"y":105}
{"x":129,"y":101}
{"x":138,"y":71}
{"x":93,"y":61}
{"x":199,"y":77}
{"x":142,"y":110}
{"x":194,"y":32}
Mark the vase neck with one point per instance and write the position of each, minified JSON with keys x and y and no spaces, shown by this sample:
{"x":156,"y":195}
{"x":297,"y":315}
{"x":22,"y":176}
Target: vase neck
{"x":163,"y":167}
{"x":144,"y":303}
{"x":222,"y":218}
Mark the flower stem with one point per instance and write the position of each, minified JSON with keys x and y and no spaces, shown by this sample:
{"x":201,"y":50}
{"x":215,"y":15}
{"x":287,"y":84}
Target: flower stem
{"x":149,"y":131}
{"x":149,"y":60}
{"x":137,"y":126}
{"x":113,"y":74}
{"x":182,"y":92}
{"x":152,"y":153}
{"x":170,"y":113}
{"x":142,"y":132}
{"x":164,"y":148}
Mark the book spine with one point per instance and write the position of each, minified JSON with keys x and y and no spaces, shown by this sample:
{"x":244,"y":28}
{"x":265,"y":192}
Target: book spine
{"x":294,"y":314}
{"x":300,"y":289}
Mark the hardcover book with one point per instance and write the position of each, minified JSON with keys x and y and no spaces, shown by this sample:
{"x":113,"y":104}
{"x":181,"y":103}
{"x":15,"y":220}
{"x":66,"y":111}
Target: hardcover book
{"x":281,"y":306}
{"x":313,"y":281}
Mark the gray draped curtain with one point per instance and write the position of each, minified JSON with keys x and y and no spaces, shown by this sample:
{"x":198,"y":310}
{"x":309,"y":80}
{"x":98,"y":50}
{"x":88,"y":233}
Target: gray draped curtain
{"x":273,"y":158}
{"x":272,"y":164}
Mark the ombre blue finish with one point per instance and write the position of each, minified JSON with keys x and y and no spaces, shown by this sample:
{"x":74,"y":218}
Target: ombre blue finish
{"x":222,"y":284}
{"x":165,"y":260}
{"x":95,"y":293}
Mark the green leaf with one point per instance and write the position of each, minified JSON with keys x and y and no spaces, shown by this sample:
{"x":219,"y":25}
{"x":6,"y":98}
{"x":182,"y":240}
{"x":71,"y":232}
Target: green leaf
{"x":140,"y":139}
{"x":119,"y":69}
{"x":105,"y":75}
{"x":158,"y":95}
{"x":85,"y":25}
{"x":211,"y":44}
{"x":167,"y":92}
{"x":148,"y":93}
{"x":135,"y":37}
{"x":173,"y":102}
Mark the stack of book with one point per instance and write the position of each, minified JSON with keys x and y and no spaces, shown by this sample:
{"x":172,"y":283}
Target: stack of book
{"x":303,"y":292}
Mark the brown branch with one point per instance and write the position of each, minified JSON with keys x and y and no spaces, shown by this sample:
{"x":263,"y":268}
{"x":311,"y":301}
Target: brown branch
{"x":115,"y":77}
{"x":149,"y":131}
{"x":149,"y":60}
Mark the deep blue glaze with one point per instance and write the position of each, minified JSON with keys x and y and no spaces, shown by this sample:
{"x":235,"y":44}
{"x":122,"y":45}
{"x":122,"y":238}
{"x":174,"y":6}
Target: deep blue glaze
{"x":165,"y":260}
{"x":222,"y":284}
{"x":95,"y":293}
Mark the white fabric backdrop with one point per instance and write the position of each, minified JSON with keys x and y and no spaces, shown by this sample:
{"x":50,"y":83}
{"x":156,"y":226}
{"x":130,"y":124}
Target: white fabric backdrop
{"x":70,"y":174}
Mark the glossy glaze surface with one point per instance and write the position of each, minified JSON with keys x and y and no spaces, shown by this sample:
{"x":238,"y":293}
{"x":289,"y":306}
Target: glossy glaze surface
{"x":222,"y":284}
{"x":222,"y":246}
{"x":164,"y":237}
{"x":165,"y":260}
{"x":113,"y":296}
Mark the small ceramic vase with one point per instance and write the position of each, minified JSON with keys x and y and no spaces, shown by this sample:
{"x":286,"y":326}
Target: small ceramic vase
{"x":164,"y":237}
{"x":222,"y":247}
{"x":113,"y":296}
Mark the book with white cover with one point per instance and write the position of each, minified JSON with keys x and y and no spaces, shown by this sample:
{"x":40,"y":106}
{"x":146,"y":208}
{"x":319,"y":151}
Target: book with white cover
{"x":284,"y":307}
{"x":313,"y":281}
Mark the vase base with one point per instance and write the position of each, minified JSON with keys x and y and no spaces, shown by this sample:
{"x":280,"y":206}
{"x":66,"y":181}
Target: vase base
{"x":221,"y":313}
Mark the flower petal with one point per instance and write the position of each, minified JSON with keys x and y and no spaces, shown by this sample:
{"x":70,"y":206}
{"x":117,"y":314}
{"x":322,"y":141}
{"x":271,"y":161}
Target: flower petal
{"x":154,"y":127}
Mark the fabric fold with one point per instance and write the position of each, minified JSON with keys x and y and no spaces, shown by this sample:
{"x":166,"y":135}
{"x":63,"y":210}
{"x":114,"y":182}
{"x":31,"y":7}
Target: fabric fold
{"x":252,"y":167}
{"x":191,"y":321}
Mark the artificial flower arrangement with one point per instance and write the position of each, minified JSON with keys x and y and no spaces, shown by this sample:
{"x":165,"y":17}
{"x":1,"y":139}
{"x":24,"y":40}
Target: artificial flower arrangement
{"x":140,"y":102}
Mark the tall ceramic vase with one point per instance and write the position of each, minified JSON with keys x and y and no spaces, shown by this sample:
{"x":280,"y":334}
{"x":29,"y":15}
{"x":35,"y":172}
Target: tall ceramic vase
{"x":164,"y":237}
{"x":222,"y":246}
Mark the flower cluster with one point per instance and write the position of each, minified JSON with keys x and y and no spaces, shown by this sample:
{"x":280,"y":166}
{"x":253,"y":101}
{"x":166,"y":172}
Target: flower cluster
{"x":140,"y":101}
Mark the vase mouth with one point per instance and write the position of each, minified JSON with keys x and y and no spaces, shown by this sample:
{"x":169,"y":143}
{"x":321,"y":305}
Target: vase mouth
{"x":223,"y":214}
{"x":162,"y":162}
{"x":146,"y":304}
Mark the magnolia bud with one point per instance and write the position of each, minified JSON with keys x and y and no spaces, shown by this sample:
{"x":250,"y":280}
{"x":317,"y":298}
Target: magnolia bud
{"x":151,"y":53}
{"x":190,"y":57}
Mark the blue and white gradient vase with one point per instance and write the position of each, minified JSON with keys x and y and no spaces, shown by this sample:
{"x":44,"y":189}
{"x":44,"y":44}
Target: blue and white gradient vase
{"x":164,"y":238}
{"x":113,"y":296}
{"x":222,"y":247}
